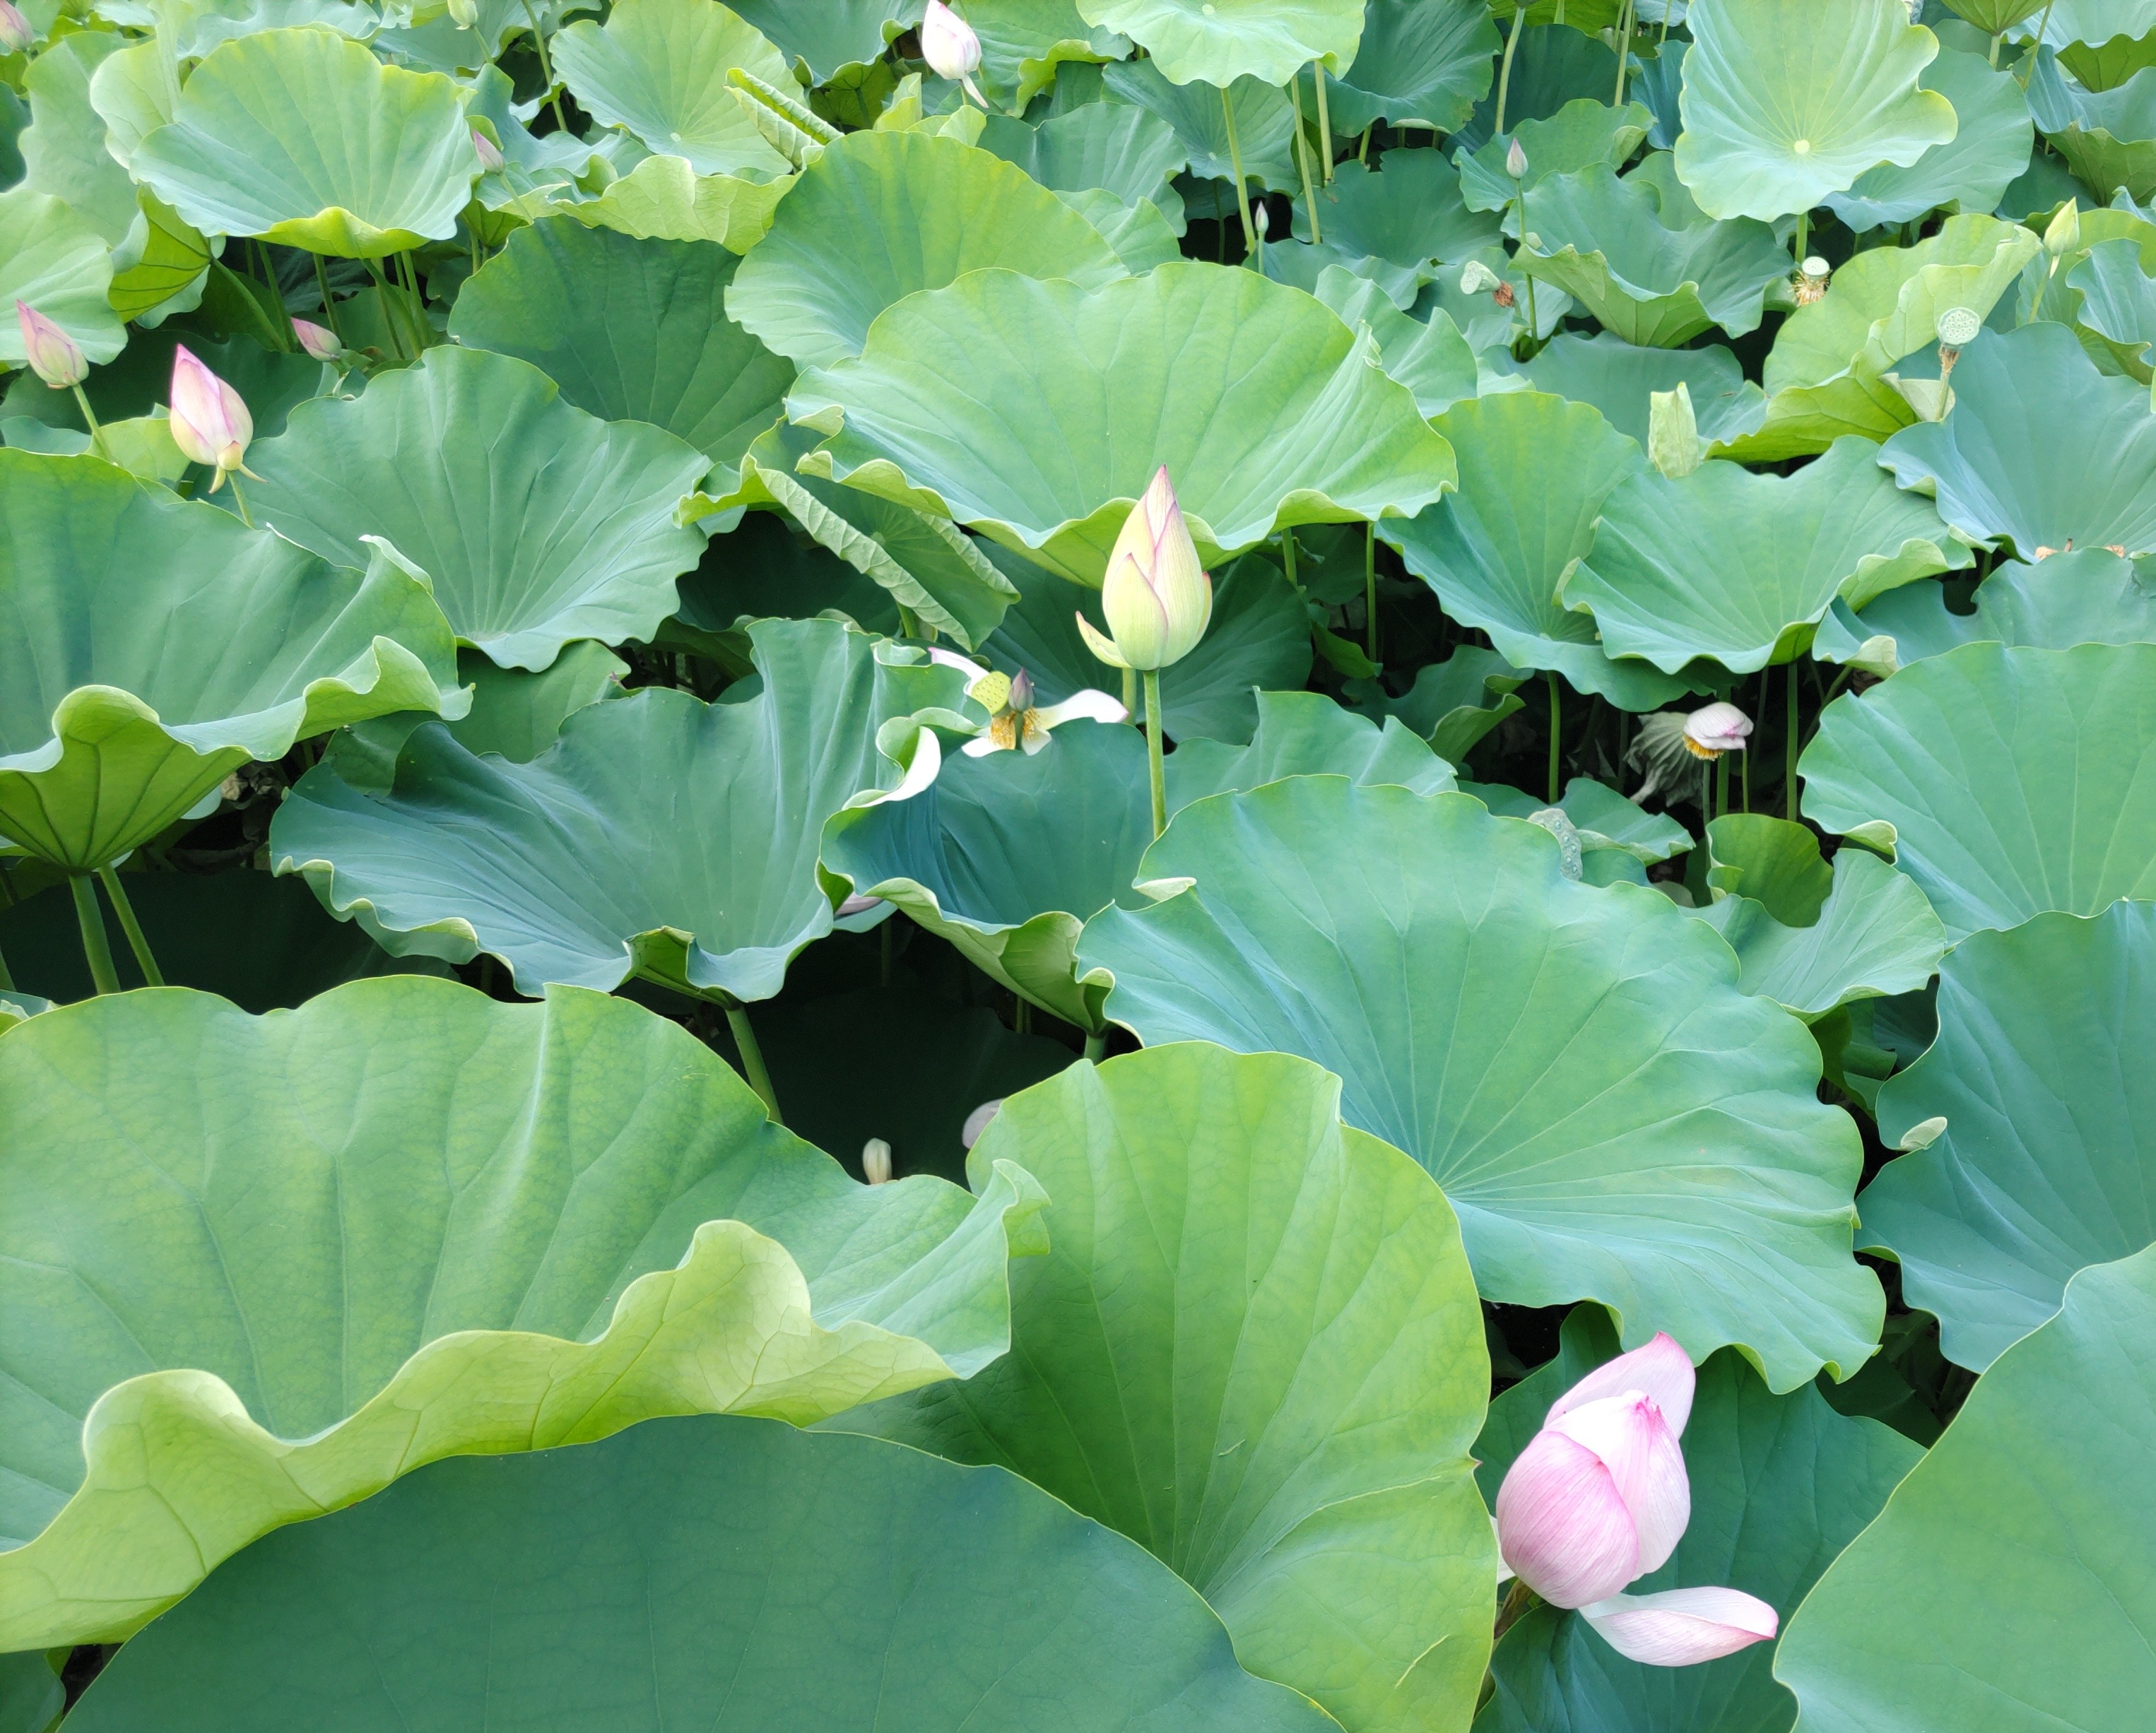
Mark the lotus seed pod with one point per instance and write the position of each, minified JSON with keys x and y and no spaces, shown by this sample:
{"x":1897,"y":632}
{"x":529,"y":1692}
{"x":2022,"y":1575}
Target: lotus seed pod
{"x":1958,"y":326}
{"x":51,"y":354}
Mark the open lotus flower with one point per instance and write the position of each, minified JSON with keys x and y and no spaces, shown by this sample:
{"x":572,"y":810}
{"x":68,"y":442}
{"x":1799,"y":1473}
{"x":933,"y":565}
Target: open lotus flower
{"x":210,"y":423}
{"x":1716,"y":728}
{"x":52,"y":354}
{"x":1156,"y":597}
{"x":951,"y":49}
{"x":1599,"y":1498}
{"x":319,"y":340}
{"x":1015,"y":722}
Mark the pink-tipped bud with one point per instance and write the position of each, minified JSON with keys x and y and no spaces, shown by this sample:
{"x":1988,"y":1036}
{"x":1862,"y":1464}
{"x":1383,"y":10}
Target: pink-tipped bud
{"x":16,"y":34}
{"x":1157,"y":599}
{"x":490,"y":159}
{"x":1515,"y":160}
{"x":947,"y":43}
{"x":209,"y":422}
{"x":51,"y":353}
{"x":319,"y":340}
{"x":1716,"y":728}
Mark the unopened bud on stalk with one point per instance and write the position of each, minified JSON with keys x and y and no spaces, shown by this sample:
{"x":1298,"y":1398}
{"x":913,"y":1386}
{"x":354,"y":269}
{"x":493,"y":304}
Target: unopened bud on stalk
{"x":950,"y":47}
{"x":1157,"y":598}
{"x":489,"y":153}
{"x":875,"y":1161}
{"x":319,"y":340}
{"x":50,"y":353}
{"x":16,"y":34}
{"x":1516,"y":161}
{"x":463,"y":13}
{"x":209,"y":421}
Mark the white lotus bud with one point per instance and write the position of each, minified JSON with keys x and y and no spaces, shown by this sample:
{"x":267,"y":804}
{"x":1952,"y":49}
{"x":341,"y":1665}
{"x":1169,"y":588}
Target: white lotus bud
{"x":1156,"y":598}
{"x":875,"y":1161}
{"x":463,"y":13}
{"x":1716,"y":728}
{"x":1516,"y":161}
{"x":319,"y":340}
{"x":977,"y":1122}
{"x":947,"y":43}
{"x":210,"y":423}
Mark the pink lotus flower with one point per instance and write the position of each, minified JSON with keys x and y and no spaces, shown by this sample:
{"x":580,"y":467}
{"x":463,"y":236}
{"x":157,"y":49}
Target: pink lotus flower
{"x":950,"y":47}
{"x":319,"y":340}
{"x":52,"y":354}
{"x":210,"y":423}
{"x":15,"y":32}
{"x":1715,"y":729}
{"x":1599,"y":1498}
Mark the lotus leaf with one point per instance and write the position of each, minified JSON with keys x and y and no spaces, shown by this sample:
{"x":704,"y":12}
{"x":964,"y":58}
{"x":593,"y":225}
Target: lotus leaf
{"x":1023,"y":42}
{"x":2010,"y":781}
{"x":1431,"y":358}
{"x":558,"y":526}
{"x":657,"y":68}
{"x":1264,"y":123}
{"x":1779,"y":1485}
{"x":1426,"y":60}
{"x":1972,"y":171}
{"x":157,"y":645}
{"x":1289,"y":1433}
{"x":938,"y":209}
{"x":1138,"y":235}
{"x":2107,"y":138}
{"x":1606,"y":822}
{"x":826,"y":40}
{"x":2005,"y":468}
{"x":1113,"y":147}
{"x":63,"y":149}
{"x":1583,"y":134}
{"x":1620,"y":378}
{"x":1268,"y":40}
{"x":988,"y":401}
{"x":750,"y":1569}
{"x":1410,"y":215}
{"x":2117,"y":306}
{"x":251,"y":1285}
{"x":2005,"y":1583}
{"x":630,"y":330}
{"x":1304,"y":264}
{"x":1740,"y":568}
{"x":1301,"y":734}
{"x":55,"y":261}
{"x":1784,"y":105}
{"x":2090,"y":596}
{"x":663,"y":198}
{"x":1556,"y":1053}
{"x":302,"y":137}
{"x":1455,"y":703}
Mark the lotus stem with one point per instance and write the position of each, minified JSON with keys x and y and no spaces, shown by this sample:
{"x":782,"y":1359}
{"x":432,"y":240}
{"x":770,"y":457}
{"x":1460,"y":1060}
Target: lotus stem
{"x":239,"y":501}
{"x":1534,"y":325}
{"x":1096,"y":1046}
{"x":547,"y":70}
{"x":96,"y":948}
{"x":1997,"y":37}
{"x":1789,"y":749}
{"x":329,"y":305}
{"x":1370,"y":586}
{"x":1324,"y":119}
{"x":1302,"y":159}
{"x":1556,"y":734}
{"x":1505,"y":69}
{"x":1804,"y":237}
{"x":1152,"y":751}
{"x":7,"y":980}
{"x":1287,"y":555}
{"x":2036,"y":47}
{"x":1624,"y":49}
{"x":152,"y":975}
{"x":1722,"y":783}
{"x":1706,"y":798}
{"x":1235,"y":160}
{"x":393,"y":320}
{"x":752,"y":1058}
{"x":1130,"y":691}
{"x":90,"y":416}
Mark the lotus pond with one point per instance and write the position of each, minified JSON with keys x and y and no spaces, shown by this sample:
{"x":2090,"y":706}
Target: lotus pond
{"x":1077,"y":866}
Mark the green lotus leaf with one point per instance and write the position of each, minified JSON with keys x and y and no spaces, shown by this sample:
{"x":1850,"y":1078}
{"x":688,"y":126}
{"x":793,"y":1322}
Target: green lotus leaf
{"x":1259,"y":638}
{"x":557,"y":526}
{"x":31,"y":1693}
{"x":2108,"y":138}
{"x":168,"y":266}
{"x":1554,"y":64}
{"x":2107,"y":64}
{"x":1114,"y":146}
{"x":440,"y":43}
{"x":1138,"y":235}
{"x":160,"y":645}
{"x":1779,"y":1485}
{"x":1303,"y":734}
{"x":1996,"y":17}
{"x":1265,"y":124}
{"x":302,"y":137}
{"x":198,"y":26}
{"x":2005,"y":469}
{"x":1534,"y":473}
{"x":768,"y":568}
{"x":1289,"y":1431}
{"x":1740,"y":568}
{"x":657,"y":68}
{"x":826,"y":40}
{"x":1870,"y":934}
{"x":2009,"y":781}
{"x":1268,"y":40}
{"x":1431,"y":358}
{"x":1783,"y":106}
{"x":1971,"y":172}
{"x":1304,"y":263}
{"x":2090,"y":596}
{"x":1642,"y":260}
{"x":2005,"y":1583}
{"x":251,"y":1285}
{"x":1427,"y":60}
{"x":990,"y":402}
{"x":1410,"y":215}
{"x":1620,"y":378}
{"x":630,"y":330}
{"x":1583,"y":134}
{"x":2040,"y":1172}
{"x":938,"y":209}
{"x":1023,"y":42}
{"x":1453,"y":703}
{"x":2117,"y":306}
{"x":799,"y":1578}
{"x":1606,"y":821}
{"x":63,"y":148}
{"x":55,"y":261}
{"x":1557,"y":1055}
{"x":659,"y":837}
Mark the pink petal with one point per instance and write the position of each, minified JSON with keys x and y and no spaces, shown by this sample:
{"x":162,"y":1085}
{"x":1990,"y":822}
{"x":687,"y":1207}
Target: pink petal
{"x":1563,"y":1526}
{"x":1681,"y":1626}
{"x":1645,"y":1463}
{"x":1661,"y":1369}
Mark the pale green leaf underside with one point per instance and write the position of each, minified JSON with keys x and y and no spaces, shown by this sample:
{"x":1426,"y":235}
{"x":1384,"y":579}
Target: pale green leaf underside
{"x":1220,"y":41}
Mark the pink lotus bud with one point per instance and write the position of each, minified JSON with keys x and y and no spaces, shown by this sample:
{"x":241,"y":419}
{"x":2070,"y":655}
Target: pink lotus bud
{"x":1718,"y":728}
{"x":16,"y":34}
{"x":490,"y":159}
{"x":1515,"y":160}
{"x":1156,"y":598}
{"x":856,"y":904}
{"x":977,"y":1122}
{"x":319,"y":340}
{"x":52,"y":354}
{"x":1681,"y":1626}
{"x":210,"y":423}
{"x":947,"y":43}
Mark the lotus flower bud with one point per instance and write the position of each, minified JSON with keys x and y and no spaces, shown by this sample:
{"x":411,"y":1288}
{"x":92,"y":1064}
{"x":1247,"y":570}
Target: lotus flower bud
{"x":856,"y":904}
{"x":977,"y":1122}
{"x":875,"y":1161}
{"x":319,"y":340}
{"x":463,"y":13}
{"x":490,"y":159}
{"x":51,"y":354}
{"x":16,"y":34}
{"x":1717,"y":728}
{"x":1156,"y":598}
{"x":209,"y":423}
{"x":947,"y":43}
{"x":1515,"y":160}
{"x":1261,"y":218}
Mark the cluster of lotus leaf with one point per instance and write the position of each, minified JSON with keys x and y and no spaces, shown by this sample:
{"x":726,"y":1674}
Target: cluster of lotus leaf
{"x":579,"y":1150}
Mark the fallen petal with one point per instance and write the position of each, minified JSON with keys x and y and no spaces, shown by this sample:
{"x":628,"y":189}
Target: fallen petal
{"x":1681,"y":1626}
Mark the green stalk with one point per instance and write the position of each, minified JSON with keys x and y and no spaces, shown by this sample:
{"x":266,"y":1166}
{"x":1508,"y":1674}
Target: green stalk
{"x":329,"y":306}
{"x":1803,"y":236}
{"x":1706,"y":797}
{"x":1152,"y":751}
{"x":151,"y":974}
{"x":90,"y":415}
{"x":1287,"y":553}
{"x":392,"y":319}
{"x":96,"y":948}
{"x":1096,"y":1047}
{"x":2035,"y":48}
{"x":1324,"y":119}
{"x":1505,"y":69}
{"x":752,"y":1058}
{"x":1624,"y":50}
{"x":1130,"y":691}
{"x":1302,"y":159}
{"x":239,"y":499}
{"x":1722,"y":783}
{"x":1370,"y":586}
{"x":554,"y":101}
{"x":1789,"y":751}
{"x":1235,"y":158}
{"x":1557,"y":734}
{"x":7,"y":980}
{"x":1534,"y":325}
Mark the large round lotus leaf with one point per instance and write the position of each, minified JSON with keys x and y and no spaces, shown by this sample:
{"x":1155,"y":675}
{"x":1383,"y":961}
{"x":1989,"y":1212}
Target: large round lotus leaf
{"x":630,"y":330}
{"x":659,"y":837}
{"x":718,"y":1572}
{"x":1972,"y":171}
{"x":2107,"y":138}
{"x":1604,"y":820}
{"x":1429,"y":356}
{"x":1428,"y":60}
{"x":1264,"y":123}
{"x":1620,"y":379}
{"x":1611,"y":1116}
{"x":1583,"y":134}
{"x":1410,"y":215}
{"x":1023,"y":42}
{"x":2040,"y":1074}
{"x":826,"y":40}
{"x":1268,"y":40}
{"x":248,"y":1281}
{"x":63,"y":149}
{"x":2010,"y":781}
{"x":1784,"y":104}
{"x":557,"y":525}
{"x":156,"y":645}
{"x":303,"y":137}
{"x":1740,"y":568}
{"x":1858,"y":930}
{"x":659,"y":68}
{"x":2006,"y":1585}
{"x":934,"y":207}
{"x":2118,"y":304}
{"x":1534,"y":473}
{"x":53,"y":261}
{"x":1555,"y":64}
{"x":1779,"y":1485}
{"x":2009,"y":463}
{"x":1306,"y":733}
{"x":663,"y":198}
{"x":1279,"y":1375}
{"x":1644,"y":261}
{"x":2090,"y":596}
{"x":1114,"y":146}
{"x":1037,"y":412}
